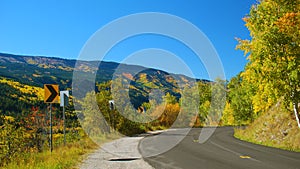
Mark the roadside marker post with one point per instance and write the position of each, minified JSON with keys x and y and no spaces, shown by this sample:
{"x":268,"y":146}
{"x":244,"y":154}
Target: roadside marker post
{"x":64,"y":101}
{"x":51,"y":96}
{"x":111,"y":104}
{"x":111,"y":114}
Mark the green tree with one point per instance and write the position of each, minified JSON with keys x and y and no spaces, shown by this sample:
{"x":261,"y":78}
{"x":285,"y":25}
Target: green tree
{"x":274,"y":53}
{"x":204,"y":100}
{"x":103,"y":97}
{"x":190,"y":106}
{"x":218,"y":100}
{"x":227,"y":117}
{"x":93,"y":121}
{"x":240,"y":94}
{"x":129,"y":120}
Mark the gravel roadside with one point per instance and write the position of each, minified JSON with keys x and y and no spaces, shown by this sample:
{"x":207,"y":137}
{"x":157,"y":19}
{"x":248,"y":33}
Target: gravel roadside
{"x":119,"y":154}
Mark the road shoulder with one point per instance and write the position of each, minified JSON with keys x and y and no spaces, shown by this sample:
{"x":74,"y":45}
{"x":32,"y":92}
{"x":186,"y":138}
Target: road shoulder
{"x":119,"y":154}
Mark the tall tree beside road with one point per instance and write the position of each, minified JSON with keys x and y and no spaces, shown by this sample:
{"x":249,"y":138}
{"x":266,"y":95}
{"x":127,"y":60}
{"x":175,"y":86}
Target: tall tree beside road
{"x":218,"y":100}
{"x":205,"y":100}
{"x":274,"y":53}
{"x":93,"y":120}
{"x":240,"y":96}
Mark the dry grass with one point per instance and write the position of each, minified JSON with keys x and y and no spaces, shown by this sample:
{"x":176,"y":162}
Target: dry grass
{"x":62,"y":157}
{"x":68,"y":156}
{"x":275,"y":128}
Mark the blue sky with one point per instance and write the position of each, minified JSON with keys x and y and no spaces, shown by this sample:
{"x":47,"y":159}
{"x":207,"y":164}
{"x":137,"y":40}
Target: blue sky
{"x":61,"y":29}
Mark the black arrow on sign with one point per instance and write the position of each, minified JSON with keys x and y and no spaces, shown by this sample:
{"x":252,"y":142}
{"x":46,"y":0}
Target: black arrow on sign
{"x":53,"y":93}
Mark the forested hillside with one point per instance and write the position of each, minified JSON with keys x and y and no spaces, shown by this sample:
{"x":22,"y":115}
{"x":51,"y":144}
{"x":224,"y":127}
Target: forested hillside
{"x":16,"y":98}
{"x":37,"y":71}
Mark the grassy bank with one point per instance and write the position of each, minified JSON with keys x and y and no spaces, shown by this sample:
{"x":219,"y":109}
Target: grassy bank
{"x":67,"y":156}
{"x":275,"y":128}
{"x":62,"y":157}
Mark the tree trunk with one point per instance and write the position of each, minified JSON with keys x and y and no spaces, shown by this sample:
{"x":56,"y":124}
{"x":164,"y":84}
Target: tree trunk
{"x":296,"y":113}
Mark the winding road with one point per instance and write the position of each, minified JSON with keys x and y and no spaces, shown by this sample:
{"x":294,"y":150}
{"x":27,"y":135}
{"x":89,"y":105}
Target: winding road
{"x":221,"y":151}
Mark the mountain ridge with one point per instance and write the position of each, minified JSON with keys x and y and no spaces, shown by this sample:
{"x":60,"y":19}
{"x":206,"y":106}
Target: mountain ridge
{"x":69,"y":64}
{"x":40,"y":70}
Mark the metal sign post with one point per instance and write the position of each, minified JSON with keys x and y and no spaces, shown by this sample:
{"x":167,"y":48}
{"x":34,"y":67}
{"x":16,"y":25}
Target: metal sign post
{"x":64,"y":119}
{"x":51,"y":147}
{"x":64,"y":101}
{"x":51,"y":96}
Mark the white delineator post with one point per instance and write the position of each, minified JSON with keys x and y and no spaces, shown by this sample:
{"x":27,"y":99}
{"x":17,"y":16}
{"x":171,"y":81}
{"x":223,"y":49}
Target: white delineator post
{"x":296,"y":114}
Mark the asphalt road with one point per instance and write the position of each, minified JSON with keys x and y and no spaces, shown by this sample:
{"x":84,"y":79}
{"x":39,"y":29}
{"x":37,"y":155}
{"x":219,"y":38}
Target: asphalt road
{"x":221,"y":151}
